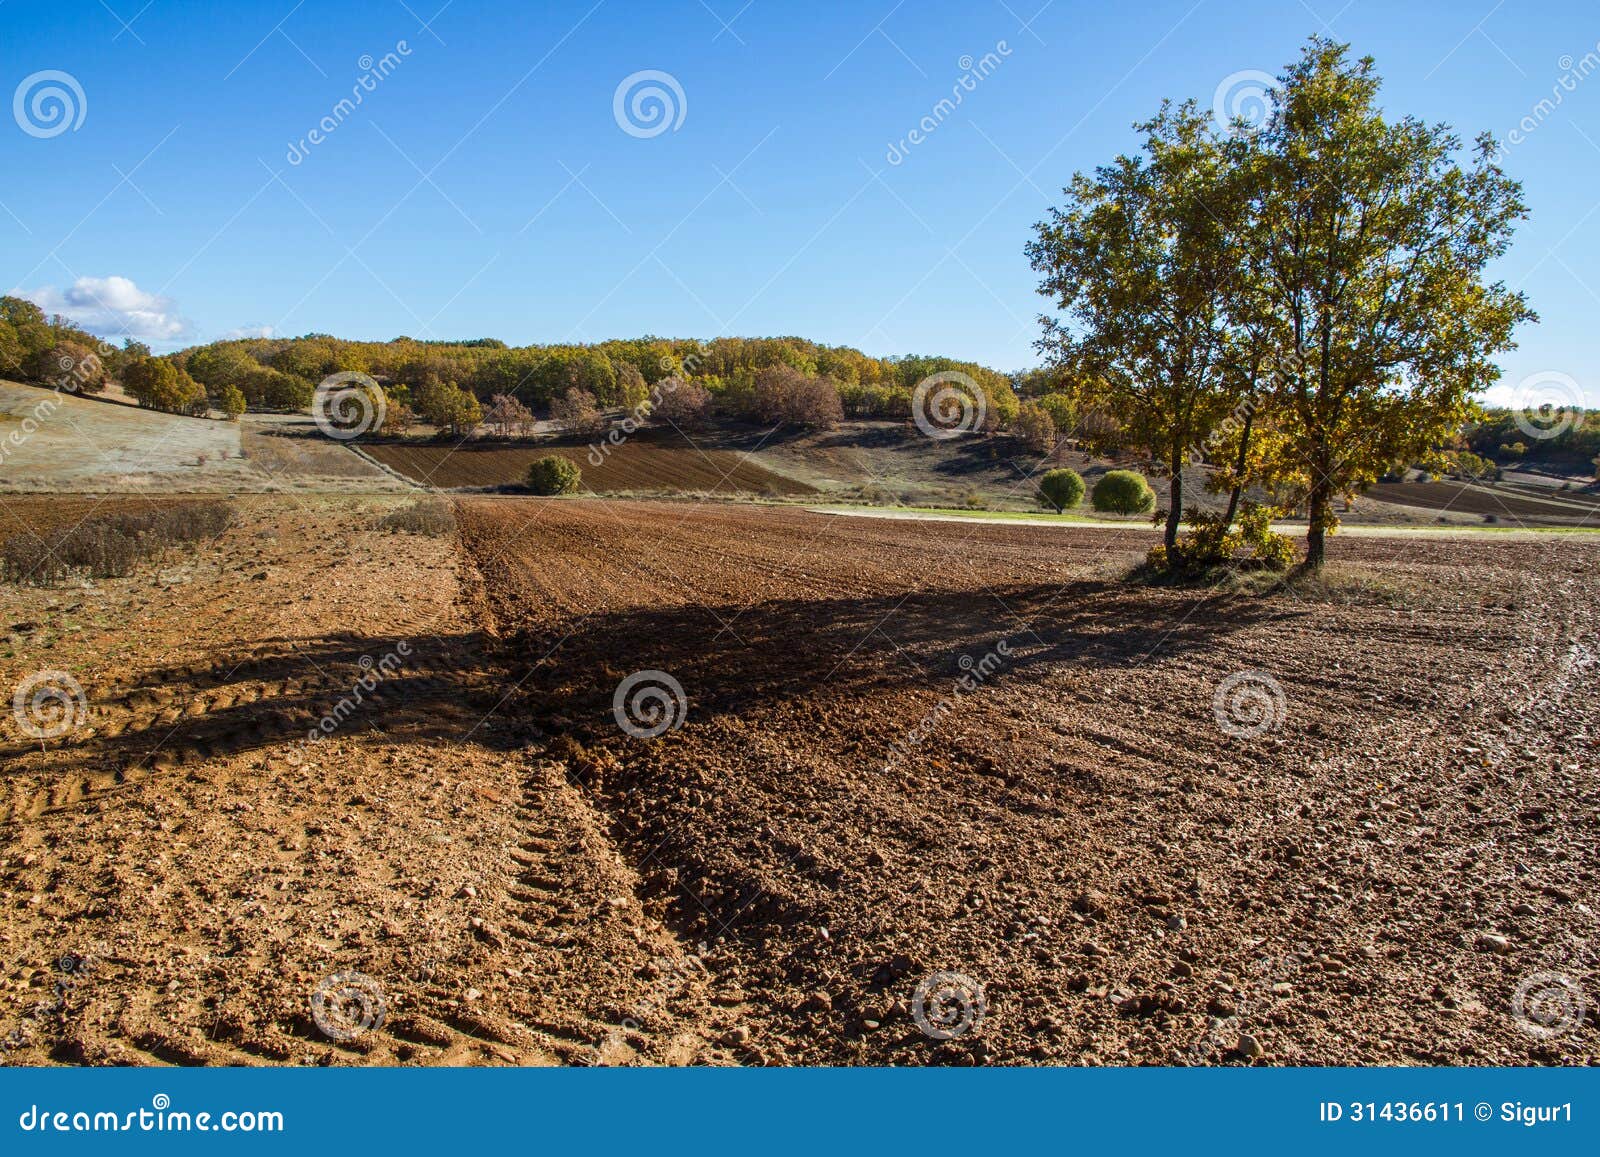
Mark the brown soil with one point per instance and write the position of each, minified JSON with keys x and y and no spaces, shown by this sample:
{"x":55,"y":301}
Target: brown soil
{"x":642,"y":465}
{"x":526,"y":883}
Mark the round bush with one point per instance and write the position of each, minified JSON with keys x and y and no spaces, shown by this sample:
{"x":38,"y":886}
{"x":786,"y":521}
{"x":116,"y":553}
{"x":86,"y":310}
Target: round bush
{"x":1061,"y":490}
{"x":554,"y":474}
{"x":1123,"y":492}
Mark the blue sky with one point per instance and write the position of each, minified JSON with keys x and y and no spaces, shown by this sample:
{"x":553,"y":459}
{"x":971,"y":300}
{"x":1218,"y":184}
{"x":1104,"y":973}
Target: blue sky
{"x":484,"y":187}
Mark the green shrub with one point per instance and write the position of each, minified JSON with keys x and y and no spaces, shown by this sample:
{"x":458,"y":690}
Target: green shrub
{"x":1123,"y":492}
{"x":554,"y":474}
{"x":1061,"y":490}
{"x":1253,"y":545}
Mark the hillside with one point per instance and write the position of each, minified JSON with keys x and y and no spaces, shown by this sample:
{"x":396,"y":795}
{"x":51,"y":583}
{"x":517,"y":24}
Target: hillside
{"x":52,"y":441}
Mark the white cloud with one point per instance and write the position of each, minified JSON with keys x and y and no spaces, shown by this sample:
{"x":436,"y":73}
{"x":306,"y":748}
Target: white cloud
{"x":113,"y":307}
{"x":247,"y":331}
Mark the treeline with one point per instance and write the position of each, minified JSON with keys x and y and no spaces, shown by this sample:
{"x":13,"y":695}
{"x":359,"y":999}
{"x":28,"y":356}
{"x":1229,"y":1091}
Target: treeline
{"x":52,"y":351}
{"x":1561,"y":439}
{"x":276,"y":373}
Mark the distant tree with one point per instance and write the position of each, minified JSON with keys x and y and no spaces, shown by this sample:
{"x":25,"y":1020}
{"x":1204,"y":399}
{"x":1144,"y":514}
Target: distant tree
{"x":786,"y":395}
{"x":68,"y":366}
{"x":632,"y":390}
{"x":269,"y":389}
{"x":447,"y":406}
{"x":158,"y":384}
{"x":507,"y":417}
{"x":1061,"y":411}
{"x":230,"y":400}
{"x":11,"y":351}
{"x":1061,"y":490}
{"x":684,"y":404}
{"x":116,"y":360}
{"x":1035,"y":428}
{"x":221,"y":365}
{"x":554,"y":474}
{"x":398,"y":417}
{"x":577,"y":413}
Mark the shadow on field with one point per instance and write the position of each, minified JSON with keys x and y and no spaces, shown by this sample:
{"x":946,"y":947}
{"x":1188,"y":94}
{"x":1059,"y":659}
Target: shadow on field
{"x":733,"y":659}
{"x":730,"y":660}
{"x":430,"y":687}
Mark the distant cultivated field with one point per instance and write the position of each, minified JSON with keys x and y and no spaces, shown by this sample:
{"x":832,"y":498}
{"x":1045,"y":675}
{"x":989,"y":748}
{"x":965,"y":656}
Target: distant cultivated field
{"x":637,"y":467}
{"x":1512,"y":502}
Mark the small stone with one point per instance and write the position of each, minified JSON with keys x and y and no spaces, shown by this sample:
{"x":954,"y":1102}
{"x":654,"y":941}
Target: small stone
{"x":1524,"y":910}
{"x":1183,"y":969}
{"x":818,"y":1001}
{"x":737,"y":1035}
{"x":1250,"y":1047}
{"x":474,"y":994}
{"x":1177,"y":923}
{"x":468,"y":891}
{"x":1494,"y":942}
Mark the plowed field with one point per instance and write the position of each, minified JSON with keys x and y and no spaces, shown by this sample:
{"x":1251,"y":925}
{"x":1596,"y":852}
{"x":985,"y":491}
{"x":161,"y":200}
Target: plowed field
{"x":637,"y":782}
{"x":638,"y":466}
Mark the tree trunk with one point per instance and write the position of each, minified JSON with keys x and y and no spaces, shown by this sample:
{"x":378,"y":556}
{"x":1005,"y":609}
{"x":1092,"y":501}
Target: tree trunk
{"x":1317,"y":536}
{"x":1238,"y":471}
{"x":1175,"y":509}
